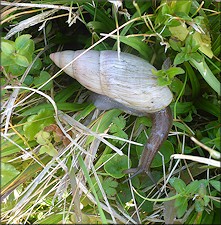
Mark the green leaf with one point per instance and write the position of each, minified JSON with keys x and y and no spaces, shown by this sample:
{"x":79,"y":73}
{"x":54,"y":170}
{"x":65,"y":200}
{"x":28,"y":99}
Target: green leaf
{"x":117,"y":128}
{"x":24,"y":45}
{"x":181,"y":205}
{"x":182,"y":107}
{"x":7,"y":60}
{"x":21,"y":60}
{"x":61,"y":106}
{"x":7,"y":47}
{"x":55,"y":218}
{"x":136,"y":43}
{"x":116,"y":165}
{"x":193,"y":79}
{"x":178,"y":184}
{"x":120,"y":123}
{"x":83,"y":167}
{"x":202,"y":190}
{"x":49,"y":149}
{"x":28,"y":80}
{"x":208,"y":106}
{"x":67,"y":92}
{"x":109,"y":185}
{"x":204,"y":41}
{"x":196,"y":56}
{"x":35,"y":69}
{"x":193,"y":187}
{"x":176,"y":86}
{"x":199,"y":205}
{"x":175,"y":44}
{"x":180,"y":32}
{"x":104,"y":122}
{"x":16,"y":70}
{"x":207,"y":75}
{"x":166,"y":150}
{"x":216,"y":184}
{"x":182,"y":127}
{"x":180,"y":58}
{"x":8,"y":172}
{"x":35,"y":123}
{"x":173,"y":71}
{"x":44,"y":76}
{"x":43,"y":137}
{"x":96,"y":26}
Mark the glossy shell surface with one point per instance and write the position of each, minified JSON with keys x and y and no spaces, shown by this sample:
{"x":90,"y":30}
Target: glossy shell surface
{"x":128,"y":79}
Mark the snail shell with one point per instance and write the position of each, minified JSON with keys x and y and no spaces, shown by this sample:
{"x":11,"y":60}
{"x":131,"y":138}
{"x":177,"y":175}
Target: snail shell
{"x":127,"y":80}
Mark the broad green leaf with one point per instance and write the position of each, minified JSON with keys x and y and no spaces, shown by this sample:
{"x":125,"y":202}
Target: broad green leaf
{"x":44,"y":76}
{"x":16,"y":70}
{"x":109,"y":185}
{"x":199,"y":205}
{"x":21,"y":60}
{"x":181,"y":205}
{"x":178,"y":184}
{"x":180,"y":58}
{"x":28,"y":80}
{"x":117,"y":128}
{"x":8,"y":48}
{"x":96,"y":26}
{"x":49,"y":149}
{"x":216,"y":184}
{"x":7,"y":60}
{"x":204,"y":41}
{"x":173,"y":71}
{"x":43,"y":137}
{"x":180,"y":32}
{"x":182,"y":7}
{"x":8,"y":172}
{"x":182,"y":127}
{"x":116,"y":165}
{"x":24,"y":176}
{"x":35,"y":123}
{"x":202,"y":190}
{"x":193,"y":187}
{"x":176,"y":86}
{"x":182,"y":107}
{"x":24,"y":44}
{"x":175,"y":44}
{"x":208,"y":106}
{"x":37,"y":66}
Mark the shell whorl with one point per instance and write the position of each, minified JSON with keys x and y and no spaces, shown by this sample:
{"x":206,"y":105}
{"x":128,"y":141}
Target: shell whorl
{"x":128,"y":80}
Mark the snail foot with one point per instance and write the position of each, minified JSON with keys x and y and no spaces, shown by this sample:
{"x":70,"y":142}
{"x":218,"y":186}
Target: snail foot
{"x":134,"y":171}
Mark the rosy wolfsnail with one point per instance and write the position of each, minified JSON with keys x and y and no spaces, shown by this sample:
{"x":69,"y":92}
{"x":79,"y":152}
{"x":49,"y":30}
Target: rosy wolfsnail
{"x":126,"y":83}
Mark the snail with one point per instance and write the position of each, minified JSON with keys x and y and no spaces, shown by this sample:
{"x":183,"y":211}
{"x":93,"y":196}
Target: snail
{"x":126,"y":83}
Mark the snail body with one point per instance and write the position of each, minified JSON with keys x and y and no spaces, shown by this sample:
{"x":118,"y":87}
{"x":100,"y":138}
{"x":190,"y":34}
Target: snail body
{"x":126,"y":83}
